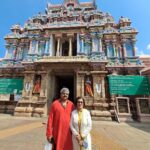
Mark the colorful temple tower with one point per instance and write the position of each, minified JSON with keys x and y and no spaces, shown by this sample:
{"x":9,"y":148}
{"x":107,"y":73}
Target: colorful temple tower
{"x":71,"y":45}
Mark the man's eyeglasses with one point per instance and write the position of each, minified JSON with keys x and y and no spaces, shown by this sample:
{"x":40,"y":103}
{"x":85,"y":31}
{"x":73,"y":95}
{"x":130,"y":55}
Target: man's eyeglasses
{"x":79,"y":102}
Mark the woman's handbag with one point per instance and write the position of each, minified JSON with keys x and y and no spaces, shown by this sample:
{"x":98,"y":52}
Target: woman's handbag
{"x":48,"y":146}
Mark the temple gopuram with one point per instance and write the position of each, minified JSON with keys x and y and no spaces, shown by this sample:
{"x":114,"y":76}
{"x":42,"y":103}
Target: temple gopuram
{"x":74,"y":45}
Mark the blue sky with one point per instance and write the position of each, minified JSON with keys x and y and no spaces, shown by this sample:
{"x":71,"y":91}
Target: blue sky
{"x":18,"y":11}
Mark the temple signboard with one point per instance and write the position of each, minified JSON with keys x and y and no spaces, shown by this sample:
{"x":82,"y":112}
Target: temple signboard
{"x":11,"y":85}
{"x":129,"y":85}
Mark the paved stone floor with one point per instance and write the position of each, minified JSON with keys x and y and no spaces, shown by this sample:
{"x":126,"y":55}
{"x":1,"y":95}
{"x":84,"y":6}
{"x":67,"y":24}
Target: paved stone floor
{"x":20,"y":133}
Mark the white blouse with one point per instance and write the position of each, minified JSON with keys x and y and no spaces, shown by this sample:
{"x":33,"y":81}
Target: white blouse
{"x":86,"y":126}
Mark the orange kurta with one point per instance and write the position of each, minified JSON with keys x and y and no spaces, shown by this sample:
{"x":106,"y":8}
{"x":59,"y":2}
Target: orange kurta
{"x":59,"y":125}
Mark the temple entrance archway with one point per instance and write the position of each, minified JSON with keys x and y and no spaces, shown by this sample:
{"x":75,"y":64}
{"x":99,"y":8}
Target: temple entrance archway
{"x":64,"y":81}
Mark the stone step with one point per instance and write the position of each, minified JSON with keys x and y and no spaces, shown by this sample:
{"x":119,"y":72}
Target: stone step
{"x":98,"y":113}
{"x":101,"y":104}
{"x":101,"y":115}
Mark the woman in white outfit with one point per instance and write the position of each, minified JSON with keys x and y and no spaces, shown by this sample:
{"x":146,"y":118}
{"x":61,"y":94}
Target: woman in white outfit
{"x":81,"y":125}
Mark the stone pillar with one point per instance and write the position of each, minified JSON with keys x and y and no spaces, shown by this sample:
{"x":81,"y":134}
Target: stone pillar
{"x":15,"y":52}
{"x":96,"y":83}
{"x":28,"y":85}
{"x":61,"y":48}
{"x":37,"y":47}
{"x":93,"y":43}
{"x":103,"y":87}
{"x":47,"y":48}
{"x":100,"y":43}
{"x":78,"y":43}
{"x":50,"y":45}
{"x":21,"y":53}
{"x":138,"y":106}
{"x":134,"y":48}
{"x":114,"y":49}
{"x":80,"y":84}
{"x":43,"y":85}
{"x":82,"y":43}
{"x":124,"y":49}
{"x":58,"y":47}
{"x":30,"y":48}
{"x":6,"y":53}
{"x":107,"y":49}
{"x":70,"y":46}
{"x":120,"y":51}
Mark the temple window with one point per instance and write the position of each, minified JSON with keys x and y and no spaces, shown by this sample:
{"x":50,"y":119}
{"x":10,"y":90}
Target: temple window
{"x":41,"y":48}
{"x":111,"y":50}
{"x":25,"y":52}
{"x":129,"y":48}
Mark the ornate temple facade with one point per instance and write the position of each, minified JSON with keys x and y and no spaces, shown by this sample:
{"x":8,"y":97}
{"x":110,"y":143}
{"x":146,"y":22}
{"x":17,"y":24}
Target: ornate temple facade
{"x":72,"y":45}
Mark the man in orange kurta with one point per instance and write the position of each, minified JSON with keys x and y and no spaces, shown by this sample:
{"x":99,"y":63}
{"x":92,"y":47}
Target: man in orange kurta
{"x":58,"y":126}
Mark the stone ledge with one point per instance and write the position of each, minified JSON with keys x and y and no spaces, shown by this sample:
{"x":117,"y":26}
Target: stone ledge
{"x":98,"y":113}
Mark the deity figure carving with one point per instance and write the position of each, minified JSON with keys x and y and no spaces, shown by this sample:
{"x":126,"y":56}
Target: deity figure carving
{"x":88,"y":87}
{"x":37,"y":86}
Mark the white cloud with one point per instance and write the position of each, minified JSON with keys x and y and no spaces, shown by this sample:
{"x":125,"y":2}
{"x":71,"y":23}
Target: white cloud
{"x":148,"y":46}
{"x":142,"y":53}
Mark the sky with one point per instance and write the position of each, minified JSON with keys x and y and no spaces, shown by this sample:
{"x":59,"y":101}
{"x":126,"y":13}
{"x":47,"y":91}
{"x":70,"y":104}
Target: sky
{"x":19,"y":11}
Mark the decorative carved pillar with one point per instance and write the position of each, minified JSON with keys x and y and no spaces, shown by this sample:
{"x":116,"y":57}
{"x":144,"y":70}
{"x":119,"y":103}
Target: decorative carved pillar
{"x":58,"y":47}
{"x":80,"y":85}
{"x":70,"y":46}
{"x":96,"y":86}
{"x":93,"y":43}
{"x":43,"y":86}
{"x":103,"y":87}
{"x":124,"y":48}
{"x":15,"y":52}
{"x":114,"y":49}
{"x":107,"y":49}
{"x":19,"y":53}
{"x":61,"y":48}
{"x":28,"y":85}
{"x":134,"y":48}
{"x":6,"y":53}
{"x":37,"y":47}
{"x":100,"y":43}
{"x":82,"y":43}
{"x":30,"y":48}
{"x":47,"y":48}
{"x":50,"y":45}
{"x":120,"y":53}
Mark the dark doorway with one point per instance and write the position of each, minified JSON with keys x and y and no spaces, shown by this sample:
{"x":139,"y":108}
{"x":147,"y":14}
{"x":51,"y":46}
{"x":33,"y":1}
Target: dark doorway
{"x":74,"y":53}
{"x":64,"y":81}
{"x":65,"y":48}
